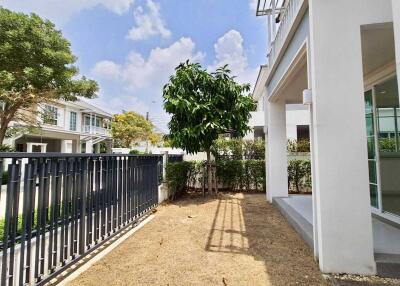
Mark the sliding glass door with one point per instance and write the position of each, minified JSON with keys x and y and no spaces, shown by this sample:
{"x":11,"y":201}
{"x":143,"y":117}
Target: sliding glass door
{"x":371,"y":141}
{"x":382,"y":115}
{"x":387,"y":110}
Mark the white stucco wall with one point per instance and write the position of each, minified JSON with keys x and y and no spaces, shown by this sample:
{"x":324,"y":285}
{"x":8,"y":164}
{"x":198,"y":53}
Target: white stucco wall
{"x":294,"y":118}
{"x":341,"y":169}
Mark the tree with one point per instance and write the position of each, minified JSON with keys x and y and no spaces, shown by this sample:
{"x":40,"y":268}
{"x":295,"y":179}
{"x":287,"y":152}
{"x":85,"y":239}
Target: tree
{"x":36,"y":66}
{"x":130,"y":127}
{"x":204,"y":105}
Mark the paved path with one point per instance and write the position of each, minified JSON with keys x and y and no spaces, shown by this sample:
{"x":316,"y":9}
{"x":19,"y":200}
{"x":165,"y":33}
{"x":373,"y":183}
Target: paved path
{"x":233,"y":240}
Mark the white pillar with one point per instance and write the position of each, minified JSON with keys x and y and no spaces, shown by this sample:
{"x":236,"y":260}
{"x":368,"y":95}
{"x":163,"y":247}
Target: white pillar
{"x":28,"y":147}
{"x":313,"y":187}
{"x":344,"y":227}
{"x":277,"y":178}
{"x":89,"y":147}
{"x":165,"y":162}
{"x":66,"y":146}
{"x":396,"y":26}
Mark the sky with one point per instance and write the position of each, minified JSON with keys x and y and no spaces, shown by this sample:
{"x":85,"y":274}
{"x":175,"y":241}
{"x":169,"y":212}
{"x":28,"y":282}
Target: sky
{"x":131,"y":47}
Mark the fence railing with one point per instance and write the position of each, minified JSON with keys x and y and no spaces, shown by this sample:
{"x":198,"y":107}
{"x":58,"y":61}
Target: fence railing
{"x":289,"y":15}
{"x":60,"y":207}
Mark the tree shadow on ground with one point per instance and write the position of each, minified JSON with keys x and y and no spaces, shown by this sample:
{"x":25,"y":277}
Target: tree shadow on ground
{"x":245,"y":224}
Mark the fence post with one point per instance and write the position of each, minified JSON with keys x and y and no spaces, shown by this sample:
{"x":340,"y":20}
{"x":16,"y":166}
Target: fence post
{"x":165,"y":162}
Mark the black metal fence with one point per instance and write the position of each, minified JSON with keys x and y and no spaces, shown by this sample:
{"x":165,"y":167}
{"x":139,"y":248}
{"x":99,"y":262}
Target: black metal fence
{"x":175,"y":158}
{"x":56,"y":208}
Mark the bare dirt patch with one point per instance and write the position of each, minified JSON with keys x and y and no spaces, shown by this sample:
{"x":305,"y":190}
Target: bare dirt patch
{"x":237,"y":239}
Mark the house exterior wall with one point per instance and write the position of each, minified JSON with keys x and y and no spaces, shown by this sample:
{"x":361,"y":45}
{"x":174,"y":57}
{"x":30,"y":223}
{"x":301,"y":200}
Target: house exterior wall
{"x":339,"y":134}
{"x":293,"y":119}
{"x":60,"y":136}
{"x":297,"y":41}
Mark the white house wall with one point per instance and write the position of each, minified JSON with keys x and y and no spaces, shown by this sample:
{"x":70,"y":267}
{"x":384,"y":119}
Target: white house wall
{"x":339,"y":134}
{"x":294,"y":118}
{"x":295,"y":44}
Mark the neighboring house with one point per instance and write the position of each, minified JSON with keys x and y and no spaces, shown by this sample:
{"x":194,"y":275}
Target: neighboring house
{"x":66,"y":127}
{"x":297,"y":115}
{"x":341,"y":59}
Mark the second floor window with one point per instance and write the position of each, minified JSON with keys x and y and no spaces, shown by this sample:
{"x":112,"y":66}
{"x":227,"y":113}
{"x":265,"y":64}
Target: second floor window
{"x":72,"y":121}
{"x":50,"y":115}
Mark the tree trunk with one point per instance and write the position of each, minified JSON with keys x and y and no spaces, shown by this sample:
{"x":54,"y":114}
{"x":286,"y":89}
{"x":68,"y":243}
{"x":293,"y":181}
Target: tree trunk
{"x":209,"y":171}
{"x":3,"y":130}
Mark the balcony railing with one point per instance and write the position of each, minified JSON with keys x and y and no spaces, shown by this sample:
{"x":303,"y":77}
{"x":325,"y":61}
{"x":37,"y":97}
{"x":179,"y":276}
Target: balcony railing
{"x":95,"y":130}
{"x":57,"y":208}
{"x":287,"y":19}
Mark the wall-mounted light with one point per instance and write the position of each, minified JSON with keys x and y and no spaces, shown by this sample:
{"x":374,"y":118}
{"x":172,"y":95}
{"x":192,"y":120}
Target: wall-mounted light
{"x":307,"y":97}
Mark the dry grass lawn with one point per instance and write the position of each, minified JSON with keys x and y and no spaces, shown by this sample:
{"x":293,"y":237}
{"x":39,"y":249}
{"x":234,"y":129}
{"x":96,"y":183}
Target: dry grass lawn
{"x":237,"y":239}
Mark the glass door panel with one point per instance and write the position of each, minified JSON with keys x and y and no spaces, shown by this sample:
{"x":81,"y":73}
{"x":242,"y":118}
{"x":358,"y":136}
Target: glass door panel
{"x":387,"y":110}
{"x":369,"y":119}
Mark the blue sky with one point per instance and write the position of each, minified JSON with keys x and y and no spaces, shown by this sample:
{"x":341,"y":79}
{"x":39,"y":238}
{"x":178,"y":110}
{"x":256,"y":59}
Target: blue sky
{"x":131,"y":46}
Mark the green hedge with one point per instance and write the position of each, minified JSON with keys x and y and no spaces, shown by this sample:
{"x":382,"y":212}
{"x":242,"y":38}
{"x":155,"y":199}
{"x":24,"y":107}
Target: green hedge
{"x":241,"y":174}
{"x":299,"y":175}
{"x":238,"y":149}
{"x":177,"y":177}
{"x":235,"y":175}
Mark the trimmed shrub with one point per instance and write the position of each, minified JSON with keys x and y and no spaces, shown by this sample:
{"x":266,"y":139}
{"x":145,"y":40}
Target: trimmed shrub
{"x":238,"y":149}
{"x":299,"y":175}
{"x":6,"y":148}
{"x":178,"y":176}
{"x":241,"y":174}
{"x":4,"y":179}
{"x":230,"y":173}
{"x":296,"y":146}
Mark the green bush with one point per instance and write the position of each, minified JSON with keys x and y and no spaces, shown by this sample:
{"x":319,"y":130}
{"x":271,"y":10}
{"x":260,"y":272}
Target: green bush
{"x":299,"y":174}
{"x":296,"y":146}
{"x":178,"y":176}
{"x":6,"y":148}
{"x":238,"y":149}
{"x":230,"y":173}
{"x":387,"y":144}
{"x":241,"y":174}
{"x":4,"y":179}
{"x":134,"y":152}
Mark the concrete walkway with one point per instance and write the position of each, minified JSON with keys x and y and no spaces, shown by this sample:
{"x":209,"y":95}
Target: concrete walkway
{"x":233,"y":240}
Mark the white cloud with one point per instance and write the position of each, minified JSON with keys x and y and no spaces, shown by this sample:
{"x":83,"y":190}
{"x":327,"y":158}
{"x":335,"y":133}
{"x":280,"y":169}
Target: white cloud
{"x":229,"y":50}
{"x":118,"y":103}
{"x":107,"y":69}
{"x":149,"y":23}
{"x":153,"y":72}
{"x":137,"y":84}
{"x":61,"y":11}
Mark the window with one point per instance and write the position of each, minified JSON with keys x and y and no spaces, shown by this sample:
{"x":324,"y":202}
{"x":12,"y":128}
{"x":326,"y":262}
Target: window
{"x":303,"y":132}
{"x":50,"y":115}
{"x":72,"y":121}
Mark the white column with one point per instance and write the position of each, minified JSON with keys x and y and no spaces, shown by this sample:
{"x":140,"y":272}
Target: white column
{"x":313,"y":187}
{"x":165,"y":162}
{"x":29,"y":147}
{"x":89,"y":147}
{"x":396,"y":26}
{"x":344,"y":229}
{"x":277,"y":178}
{"x":66,"y":146}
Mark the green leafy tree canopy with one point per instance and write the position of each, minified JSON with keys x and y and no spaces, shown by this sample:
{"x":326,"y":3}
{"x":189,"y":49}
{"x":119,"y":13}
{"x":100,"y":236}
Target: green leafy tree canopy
{"x":36,"y":66}
{"x":130,"y":127}
{"x":204,"y":105}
